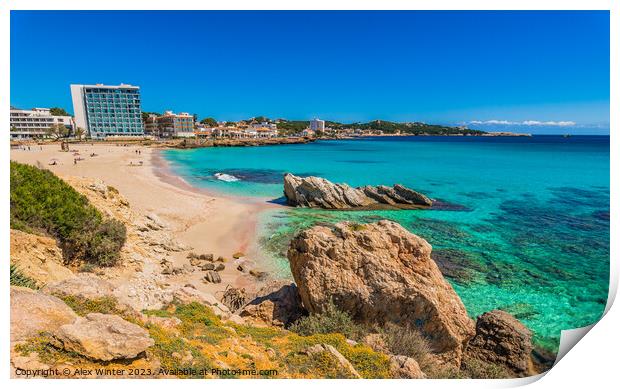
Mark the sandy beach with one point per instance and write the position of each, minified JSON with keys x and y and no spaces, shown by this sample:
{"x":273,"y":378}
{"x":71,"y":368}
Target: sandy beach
{"x":205,"y":222}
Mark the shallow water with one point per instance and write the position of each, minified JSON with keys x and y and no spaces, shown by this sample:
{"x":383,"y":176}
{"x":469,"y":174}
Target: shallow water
{"x":527,"y":229}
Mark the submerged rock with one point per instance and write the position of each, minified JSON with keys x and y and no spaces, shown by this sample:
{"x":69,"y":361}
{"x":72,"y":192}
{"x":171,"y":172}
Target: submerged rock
{"x":380,"y":273}
{"x":317,"y":192}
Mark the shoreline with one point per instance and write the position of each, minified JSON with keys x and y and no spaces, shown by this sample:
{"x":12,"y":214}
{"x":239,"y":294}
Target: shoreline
{"x":206,"y":222}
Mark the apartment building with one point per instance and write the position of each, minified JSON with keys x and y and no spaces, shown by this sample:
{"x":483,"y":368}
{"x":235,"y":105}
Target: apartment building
{"x":35,"y":122}
{"x":171,"y":124}
{"x":317,"y":125}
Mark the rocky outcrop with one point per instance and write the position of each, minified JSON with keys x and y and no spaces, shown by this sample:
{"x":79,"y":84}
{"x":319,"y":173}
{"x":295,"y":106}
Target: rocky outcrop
{"x":380,"y":273}
{"x":503,"y":340}
{"x":403,"y":366}
{"x":103,"y":337}
{"x":339,"y":358}
{"x":317,"y":192}
{"x":38,"y":257}
{"x":278,"y":305}
{"x":33,"y":312}
{"x":84,"y":285}
{"x":187,"y":295}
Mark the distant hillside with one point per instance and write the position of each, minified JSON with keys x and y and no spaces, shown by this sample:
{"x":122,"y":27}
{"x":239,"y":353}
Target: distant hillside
{"x":387,"y":127}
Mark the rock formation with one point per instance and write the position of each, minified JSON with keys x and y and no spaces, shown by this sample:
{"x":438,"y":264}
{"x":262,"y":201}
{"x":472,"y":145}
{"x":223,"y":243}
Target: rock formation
{"x":339,"y":358}
{"x":84,"y":285}
{"x":405,"y":367}
{"x":503,"y":340}
{"x":380,"y":273}
{"x":103,"y":337}
{"x":38,"y":257}
{"x":278,"y":304}
{"x":187,"y":295}
{"x":33,"y":312}
{"x":317,"y":192}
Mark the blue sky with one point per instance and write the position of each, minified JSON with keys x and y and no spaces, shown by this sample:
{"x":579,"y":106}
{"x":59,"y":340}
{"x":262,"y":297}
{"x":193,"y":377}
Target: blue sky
{"x":536,"y":72}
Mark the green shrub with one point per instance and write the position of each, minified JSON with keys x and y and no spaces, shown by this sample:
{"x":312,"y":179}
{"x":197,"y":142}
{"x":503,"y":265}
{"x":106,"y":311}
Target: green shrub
{"x":474,"y":368}
{"x":42,"y":202}
{"x":19,"y":279}
{"x":407,"y":341}
{"x":83,"y":306}
{"x":331,"y":320}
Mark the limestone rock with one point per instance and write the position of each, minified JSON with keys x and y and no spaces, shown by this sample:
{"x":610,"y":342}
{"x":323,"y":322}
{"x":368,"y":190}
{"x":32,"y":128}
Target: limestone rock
{"x":213,"y":276}
{"x":317,"y":192}
{"x":186,"y":295}
{"x":208,"y":266}
{"x":169,"y":323}
{"x":279,"y":305}
{"x":342,"y":361}
{"x":380,"y":273}
{"x":153,"y":222}
{"x":103,"y":337}
{"x":501,"y":339}
{"x":38,"y":257}
{"x":403,"y":366}
{"x":33,"y":312}
{"x":84,"y":285}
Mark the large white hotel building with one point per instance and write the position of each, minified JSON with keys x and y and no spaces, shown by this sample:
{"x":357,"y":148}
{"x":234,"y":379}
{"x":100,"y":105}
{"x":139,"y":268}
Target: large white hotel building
{"x":108,"y":110}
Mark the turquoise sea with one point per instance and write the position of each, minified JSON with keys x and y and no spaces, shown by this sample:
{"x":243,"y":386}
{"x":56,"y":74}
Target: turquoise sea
{"x":524,"y":228}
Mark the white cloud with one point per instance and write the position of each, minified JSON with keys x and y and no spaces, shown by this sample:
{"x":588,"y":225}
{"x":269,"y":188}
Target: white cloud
{"x":524,"y":123}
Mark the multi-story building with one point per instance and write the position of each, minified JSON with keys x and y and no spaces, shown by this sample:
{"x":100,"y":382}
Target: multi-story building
{"x":151,"y":127}
{"x":35,"y":123}
{"x":271,"y":126}
{"x":108,"y":110}
{"x":176,"y":125}
{"x":317,"y":125}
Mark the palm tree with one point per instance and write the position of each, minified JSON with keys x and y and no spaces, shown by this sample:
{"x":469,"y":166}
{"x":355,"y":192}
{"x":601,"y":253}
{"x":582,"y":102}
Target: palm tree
{"x":79,"y":133}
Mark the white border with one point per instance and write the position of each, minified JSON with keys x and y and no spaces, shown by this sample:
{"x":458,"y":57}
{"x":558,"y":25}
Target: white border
{"x":594,"y":361}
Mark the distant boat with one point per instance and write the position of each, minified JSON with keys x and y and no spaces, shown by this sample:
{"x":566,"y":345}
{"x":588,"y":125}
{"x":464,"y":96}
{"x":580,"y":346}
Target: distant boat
{"x":566,"y":135}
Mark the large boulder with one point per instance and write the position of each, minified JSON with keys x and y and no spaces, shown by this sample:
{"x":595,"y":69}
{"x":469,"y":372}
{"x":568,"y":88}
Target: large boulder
{"x":380,"y":273}
{"x":278,"y":304}
{"x":503,"y":340}
{"x":317,"y":192}
{"x":403,"y":366}
{"x":103,"y":337}
{"x":33,"y":312}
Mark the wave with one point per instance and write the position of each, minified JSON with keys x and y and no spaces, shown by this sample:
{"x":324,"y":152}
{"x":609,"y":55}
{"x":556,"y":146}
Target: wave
{"x":225,"y":177}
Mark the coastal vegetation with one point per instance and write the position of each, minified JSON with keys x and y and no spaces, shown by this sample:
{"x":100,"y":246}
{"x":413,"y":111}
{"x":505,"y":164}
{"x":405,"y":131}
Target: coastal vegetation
{"x":57,"y":111}
{"x":18,"y":278}
{"x":44,"y":204}
{"x":288,"y":127}
{"x":411,"y":128}
{"x":57,"y":131}
{"x":209,"y":122}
